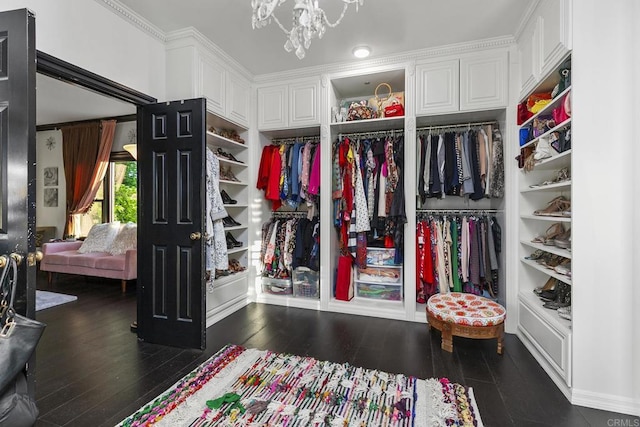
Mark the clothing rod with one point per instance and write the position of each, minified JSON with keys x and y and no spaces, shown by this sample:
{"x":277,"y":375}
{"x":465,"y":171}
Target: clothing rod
{"x":285,"y":141}
{"x":457,"y":126}
{"x":370,"y":134}
{"x":289,"y":214}
{"x":457,"y":211}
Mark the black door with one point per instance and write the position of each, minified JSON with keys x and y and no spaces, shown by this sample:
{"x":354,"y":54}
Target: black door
{"x":18,"y":152}
{"x":171,"y":296}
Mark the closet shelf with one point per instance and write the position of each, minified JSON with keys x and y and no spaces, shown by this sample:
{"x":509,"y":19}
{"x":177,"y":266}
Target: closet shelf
{"x":236,"y":250}
{"x":225,"y":181}
{"x":370,"y":125}
{"x":558,"y":186}
{"x":562,"y":125}
{"x":230,"y":278}
{"x":220,"y":141}
{"x":555,"y":162}
{"x":547,"y":271}
{"x":551,"y":249}
{"x":549,"y":316}
{"x":238,"y":205}
{"x":547,"y":218}
{"x":231,"y":162}
{"x":236,"y":227}
{"x":548,"y":108}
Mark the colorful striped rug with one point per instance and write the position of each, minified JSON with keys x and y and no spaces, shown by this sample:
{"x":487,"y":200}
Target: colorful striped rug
{"x":248,"y":387}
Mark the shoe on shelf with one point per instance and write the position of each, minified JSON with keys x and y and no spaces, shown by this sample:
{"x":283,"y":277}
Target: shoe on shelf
{"x":563,"y":297}
{"x":560,"y":206}
{"x":221,"y":273}
{"x":565,"y":312}
{"x":563,"y":240}
{"x":552,"y":232}
{"x":235,"y":266}
{"x":226,"y":199}
{"x":561,"y":176}
{"x":233,"y":241}
{"x":551,"y":283}
{"x":537,"y":254}
{"x":563,"y":268}
{"x":230,"y":222}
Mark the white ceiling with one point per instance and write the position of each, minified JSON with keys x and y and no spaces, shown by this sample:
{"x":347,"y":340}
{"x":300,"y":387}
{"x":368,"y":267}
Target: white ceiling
{"x":387,"y":26}
{"x":61,"y":102}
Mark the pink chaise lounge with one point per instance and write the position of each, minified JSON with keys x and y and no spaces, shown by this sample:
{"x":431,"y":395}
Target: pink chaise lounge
{"x":63,"y":257}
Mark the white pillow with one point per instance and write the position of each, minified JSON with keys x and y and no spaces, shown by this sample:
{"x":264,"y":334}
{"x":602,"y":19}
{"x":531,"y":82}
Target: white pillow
{"x":125,"y":240}
{"x":100,"y":237}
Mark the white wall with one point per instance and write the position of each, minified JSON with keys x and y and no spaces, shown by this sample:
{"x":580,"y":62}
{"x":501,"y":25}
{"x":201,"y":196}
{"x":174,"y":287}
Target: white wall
{"x":50,"y":155}
{"x":90,"y":35}
{"x":605,"y":204}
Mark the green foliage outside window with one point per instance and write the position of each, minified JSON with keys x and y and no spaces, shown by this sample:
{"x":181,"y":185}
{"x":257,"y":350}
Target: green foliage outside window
{"x":126,"y":193}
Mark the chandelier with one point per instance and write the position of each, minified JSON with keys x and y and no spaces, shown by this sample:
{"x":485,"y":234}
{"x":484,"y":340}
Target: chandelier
{"x":309,"y":21}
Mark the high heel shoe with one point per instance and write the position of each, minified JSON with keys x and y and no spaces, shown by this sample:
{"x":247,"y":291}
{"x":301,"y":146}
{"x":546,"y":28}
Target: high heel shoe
{"x":233,"y":241}
{"x":226,"y":199}
{"x":552,"y":232}
{"x":563,"y":240}
{"x":551,"y":283}
{"x":560,"y":206}
{"x":230,"y":222}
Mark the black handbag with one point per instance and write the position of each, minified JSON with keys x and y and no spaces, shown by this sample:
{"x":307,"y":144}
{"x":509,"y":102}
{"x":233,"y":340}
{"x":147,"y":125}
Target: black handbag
{"x":17,"y":409}
{"x":19,"y":335}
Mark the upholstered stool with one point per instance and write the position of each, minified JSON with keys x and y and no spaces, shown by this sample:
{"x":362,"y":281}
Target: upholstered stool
{"x":465,"y":315}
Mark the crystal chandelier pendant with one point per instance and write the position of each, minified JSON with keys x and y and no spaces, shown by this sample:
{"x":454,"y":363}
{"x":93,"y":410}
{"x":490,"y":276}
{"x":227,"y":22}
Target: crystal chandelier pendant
{"x":309,"y":21}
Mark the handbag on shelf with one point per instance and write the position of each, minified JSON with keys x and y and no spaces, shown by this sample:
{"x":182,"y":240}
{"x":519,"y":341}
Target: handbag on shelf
{"x":391,"y":105}
{"x":19,"y":335}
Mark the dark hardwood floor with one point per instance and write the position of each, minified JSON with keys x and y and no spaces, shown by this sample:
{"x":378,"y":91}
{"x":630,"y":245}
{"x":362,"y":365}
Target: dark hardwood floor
{"x":92,"y":371}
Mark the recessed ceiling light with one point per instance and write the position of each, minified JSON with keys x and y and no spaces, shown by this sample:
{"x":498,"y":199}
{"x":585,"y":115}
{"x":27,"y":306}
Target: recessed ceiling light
{"x":361,"y":51}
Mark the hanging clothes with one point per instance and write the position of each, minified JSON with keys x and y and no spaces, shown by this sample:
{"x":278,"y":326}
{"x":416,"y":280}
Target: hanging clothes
{"x":457,"y":253}
{"x":215,"y":243}
{"x":466,"y":163}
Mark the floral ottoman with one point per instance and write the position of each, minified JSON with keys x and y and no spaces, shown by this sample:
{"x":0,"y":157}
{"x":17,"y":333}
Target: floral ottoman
{"x":465,"y":315}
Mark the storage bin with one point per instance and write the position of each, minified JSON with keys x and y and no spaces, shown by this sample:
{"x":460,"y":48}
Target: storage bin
{"x":306,"y":283}
{"x":379,"y":291}
{"x":381,"y":256}
{"x":377,"y":274}
{"x":277,"y":286}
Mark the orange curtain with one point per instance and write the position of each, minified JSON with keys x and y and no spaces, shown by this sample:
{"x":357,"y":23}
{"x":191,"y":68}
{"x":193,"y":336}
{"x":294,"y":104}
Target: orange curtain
{"x":85,"y":152}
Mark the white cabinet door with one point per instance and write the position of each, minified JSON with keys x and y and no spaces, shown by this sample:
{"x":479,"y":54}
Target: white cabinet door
{"x":529,"y":65}
{"x":483,"y":81}
{"x":438,"y":87}
{"x":554,"y":33}
{"x":304,"y":103}
{"x":238,"y":99}
{"x":212,"y":76}
{"x":272,"y":107}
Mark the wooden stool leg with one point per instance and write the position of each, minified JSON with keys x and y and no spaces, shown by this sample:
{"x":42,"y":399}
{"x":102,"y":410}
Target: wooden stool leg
{"x":49,"y":278}
{"x":447,"y":339}
{"x":500,"y":338}
{"x":124,"y":286}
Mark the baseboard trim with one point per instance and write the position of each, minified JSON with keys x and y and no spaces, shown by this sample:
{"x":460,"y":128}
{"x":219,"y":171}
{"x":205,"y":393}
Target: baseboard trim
{"x":605,"y":402}
{"x":219,"y":313}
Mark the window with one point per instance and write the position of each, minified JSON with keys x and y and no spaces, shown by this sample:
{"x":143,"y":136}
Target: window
{"x":124,"y":203}
{"x":120,"y":201}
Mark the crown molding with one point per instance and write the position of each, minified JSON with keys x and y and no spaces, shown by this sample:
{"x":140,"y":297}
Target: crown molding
{"x":525,"y":18}
{"x":138,"y":21}
{"x":174,"y":37}
{"x":409,"y":56}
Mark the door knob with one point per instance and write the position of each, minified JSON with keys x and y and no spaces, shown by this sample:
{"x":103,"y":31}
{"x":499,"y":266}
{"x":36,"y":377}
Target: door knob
{"x":3,"y":261}
{"x":17,"y":257}
{"x":195,"y":235}
{"x":33,"y":257}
